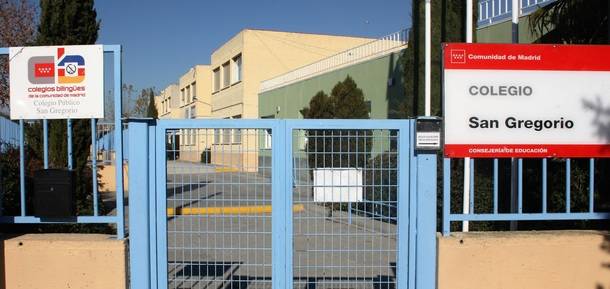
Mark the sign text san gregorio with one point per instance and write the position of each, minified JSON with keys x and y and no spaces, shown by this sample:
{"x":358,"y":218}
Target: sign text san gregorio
{"x":521,"y":100}
{"x":56,"y":82}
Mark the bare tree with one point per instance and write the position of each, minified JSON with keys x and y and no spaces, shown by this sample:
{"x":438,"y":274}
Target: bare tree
{"x":141,"y":105}
{"x":17,"y":28}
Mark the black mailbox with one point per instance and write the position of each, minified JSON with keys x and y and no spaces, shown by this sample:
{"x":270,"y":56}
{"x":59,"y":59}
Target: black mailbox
{"x":54,"y":193}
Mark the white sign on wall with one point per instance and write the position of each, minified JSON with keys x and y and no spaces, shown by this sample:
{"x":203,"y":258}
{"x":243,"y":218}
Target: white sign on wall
{"x":515,"y":100}
{"x":337,"y":185}
{"x":56,"y":82}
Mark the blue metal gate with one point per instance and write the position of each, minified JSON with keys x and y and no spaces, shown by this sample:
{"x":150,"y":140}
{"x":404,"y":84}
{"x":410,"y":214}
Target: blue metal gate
{"x":280,"y":204}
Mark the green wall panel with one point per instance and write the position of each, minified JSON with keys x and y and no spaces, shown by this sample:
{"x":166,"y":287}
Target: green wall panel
{"x":380,"y":80}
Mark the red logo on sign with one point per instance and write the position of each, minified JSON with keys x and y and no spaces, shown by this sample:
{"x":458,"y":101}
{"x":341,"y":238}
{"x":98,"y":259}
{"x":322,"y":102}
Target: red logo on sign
{"x":70,"y":68}
{"x":458,"y":55}
{"x":44,"y":70}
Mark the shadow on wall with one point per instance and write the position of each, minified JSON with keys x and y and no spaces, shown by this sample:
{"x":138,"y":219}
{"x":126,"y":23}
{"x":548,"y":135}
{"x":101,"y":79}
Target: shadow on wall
{"x":395,"y":93}
{"x":2,"y":273}
{"x":606,"y":247}
{"x":601,"y":119}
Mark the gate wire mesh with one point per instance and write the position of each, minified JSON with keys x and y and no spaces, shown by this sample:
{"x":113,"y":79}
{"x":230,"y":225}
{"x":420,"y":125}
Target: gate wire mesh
{"x":346,"y":236}
{"x":219,"y":208}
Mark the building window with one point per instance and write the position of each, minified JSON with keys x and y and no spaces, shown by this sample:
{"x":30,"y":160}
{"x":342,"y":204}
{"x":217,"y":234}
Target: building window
{"x":193,"y":92}
{"x":188,"y":94}
{"x":216,"y":136}
{"x":226,"y":75}
{"x":187,"y":132}
{"x":236,"y":76}
{"x":182,"y":94}
{"x":267,"y":139}
{"x":193,"y":131}
{"x":193,"y":112}
{"x":226,"y":136}
{"x":267,"y":133}
{"x":237,"y":132}
{"x":216,"y":80}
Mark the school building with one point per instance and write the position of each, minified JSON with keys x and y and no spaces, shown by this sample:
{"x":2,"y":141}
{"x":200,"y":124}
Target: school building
{"x":229,"y":86}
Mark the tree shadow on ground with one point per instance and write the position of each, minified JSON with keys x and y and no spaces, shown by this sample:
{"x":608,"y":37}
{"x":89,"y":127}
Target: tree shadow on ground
{"x":222,"y":274}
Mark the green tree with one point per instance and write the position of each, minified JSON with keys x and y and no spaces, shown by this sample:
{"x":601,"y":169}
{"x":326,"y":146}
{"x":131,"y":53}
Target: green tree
{"x":448,"y":25}
{"x":572,"y":22}
{"x":152,"y":108}
{"x":320,"y":107}
{"x":349,"y":100}
{"x":69,"y":22}
{"x":345,"y":102}
{"x":338,"y":148}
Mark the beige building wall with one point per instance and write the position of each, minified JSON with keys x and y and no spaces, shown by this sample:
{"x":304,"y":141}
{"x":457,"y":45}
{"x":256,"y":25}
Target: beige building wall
{"x":167,"y":101}
{"x":107,"y":178}
{"x":195,"y":91}
{"x":188,"y":98}
{"x":524,"y":260}
{"x":228,"y":88}
{"x":59,"y":261}
{"x":266,"y":54}
{"x":239,"y":66}
{"x":195,"y":101}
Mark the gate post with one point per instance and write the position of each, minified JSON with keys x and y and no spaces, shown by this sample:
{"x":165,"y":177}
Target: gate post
{"x":426,"y":221}
{"x":281,"y":193}
{"x":139,"y":198}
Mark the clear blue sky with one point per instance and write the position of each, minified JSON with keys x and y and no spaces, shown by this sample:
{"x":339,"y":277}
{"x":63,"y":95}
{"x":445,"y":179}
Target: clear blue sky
{"x":162,"y":39}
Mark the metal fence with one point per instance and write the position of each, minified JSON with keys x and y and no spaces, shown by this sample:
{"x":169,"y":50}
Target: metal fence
{"x":495,"y":11}
{"x":503,"y":197}
{"x":346,"y":236}
{"x":105,"y":143}
{"x":219,"y":226}
{"x":25,"y":216}
{"x":9,"y":133}
{"x":216,"y":211}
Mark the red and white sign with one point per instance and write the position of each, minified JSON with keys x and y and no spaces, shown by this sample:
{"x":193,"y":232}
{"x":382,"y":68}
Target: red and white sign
{"x":56,"y":82}
{"x":527,"y":101}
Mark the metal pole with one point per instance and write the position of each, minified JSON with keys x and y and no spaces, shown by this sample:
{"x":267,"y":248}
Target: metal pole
{"x":469,"y":21}
{"x":118,"y":143}
{"x":21,"y":168}
{"x":515,"y":20}
{"x":94,"y":165}
{"x":428,"y":58}
{"x":467,"y":184}
{"x":514,"y":170}
{"x":69,"y":128}
{"x":139,"y":226}
{"x":45,"y":143}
